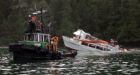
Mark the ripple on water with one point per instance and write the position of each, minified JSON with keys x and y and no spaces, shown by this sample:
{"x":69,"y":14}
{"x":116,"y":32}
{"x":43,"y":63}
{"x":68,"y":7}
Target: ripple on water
{"x":101,"y":69}
{"x":124,"y":62}
{"x":134,"y":70}
{"x":105,"y":63}
{"x":23,"y":74}
{"x":98,"y":72}
{"x":106,"y":71}
{"x":60,"y":65}
{"x":78,"y":68}
{"x":119,"y":70}
{"x":6,"y":69}
{"x":91,"y":73}
{"x":126,"y":72}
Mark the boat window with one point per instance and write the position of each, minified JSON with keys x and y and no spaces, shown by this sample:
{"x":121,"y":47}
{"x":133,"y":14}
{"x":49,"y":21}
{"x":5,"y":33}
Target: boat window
{"x":83,"y":43}
{"x":25,"y":37}
{"x":40,"y":37}
{"x":46,"y":38}
{"x":29,"y":37}
{"x":93,"y":46}
{"x":35,"y":37}
{"x":87,"y":37}
{"x":100,"y":48}
{"x":106,"y":49}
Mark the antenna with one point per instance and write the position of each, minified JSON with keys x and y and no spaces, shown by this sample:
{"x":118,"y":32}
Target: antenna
{"x":35,"y":7}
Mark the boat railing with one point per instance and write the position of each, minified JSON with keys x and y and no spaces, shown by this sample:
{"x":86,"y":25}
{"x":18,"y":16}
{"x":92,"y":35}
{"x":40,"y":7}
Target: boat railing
{"x":40,"y":37}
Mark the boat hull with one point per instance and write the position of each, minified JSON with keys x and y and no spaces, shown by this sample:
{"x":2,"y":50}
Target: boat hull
{"x":84,"y":49}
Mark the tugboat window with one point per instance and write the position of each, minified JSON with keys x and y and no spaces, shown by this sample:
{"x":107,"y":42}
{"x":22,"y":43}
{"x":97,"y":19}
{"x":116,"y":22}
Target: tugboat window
{"x":35,"y":37}
{"x":45,"y":38}
{"x":40,"y":37}
{"x":28,"y":37}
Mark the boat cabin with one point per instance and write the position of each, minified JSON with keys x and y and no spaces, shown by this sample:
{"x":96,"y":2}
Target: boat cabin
{"x":83,"y":35}
{"x":38,"y":37}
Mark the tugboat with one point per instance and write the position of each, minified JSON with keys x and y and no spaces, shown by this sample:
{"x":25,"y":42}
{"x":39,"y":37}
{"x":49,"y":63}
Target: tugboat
{"x":37,"y":44}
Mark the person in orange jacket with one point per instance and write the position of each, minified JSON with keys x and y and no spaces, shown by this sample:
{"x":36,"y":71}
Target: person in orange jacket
{"x":54,"y":42}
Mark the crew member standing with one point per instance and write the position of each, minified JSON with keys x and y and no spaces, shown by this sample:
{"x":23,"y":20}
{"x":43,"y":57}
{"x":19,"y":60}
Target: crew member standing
{"x":54,"y":42}
{"x":113,"y":42}
{"x":32,"y":27}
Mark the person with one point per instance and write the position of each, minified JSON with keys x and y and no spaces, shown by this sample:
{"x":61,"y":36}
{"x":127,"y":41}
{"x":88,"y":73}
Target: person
{"x":33,"y":18}
{"x":117,"y":46}
{"x":54,"y":42}
{"x":42,"y":27}
{"x":32,"y":26}
{"x":112,"y":42}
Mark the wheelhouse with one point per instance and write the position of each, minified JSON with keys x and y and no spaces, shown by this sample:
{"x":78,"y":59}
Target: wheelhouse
{"x":38,"y":37}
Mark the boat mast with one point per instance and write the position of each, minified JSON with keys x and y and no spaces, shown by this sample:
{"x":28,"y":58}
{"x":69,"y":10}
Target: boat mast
{"x":42,"y":16}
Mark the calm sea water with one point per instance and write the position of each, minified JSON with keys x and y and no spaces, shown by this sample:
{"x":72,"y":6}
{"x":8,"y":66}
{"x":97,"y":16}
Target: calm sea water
{"x":118,"y":64}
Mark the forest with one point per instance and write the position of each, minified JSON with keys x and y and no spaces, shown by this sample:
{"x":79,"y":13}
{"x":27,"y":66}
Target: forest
{"x":106,"y":19}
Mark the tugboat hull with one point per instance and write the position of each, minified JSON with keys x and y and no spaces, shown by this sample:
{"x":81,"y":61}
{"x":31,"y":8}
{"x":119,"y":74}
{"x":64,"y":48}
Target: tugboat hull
{"x":25,"y":52}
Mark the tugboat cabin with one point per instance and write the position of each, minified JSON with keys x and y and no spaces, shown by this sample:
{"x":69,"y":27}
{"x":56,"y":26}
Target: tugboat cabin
{"x":36,"y":39}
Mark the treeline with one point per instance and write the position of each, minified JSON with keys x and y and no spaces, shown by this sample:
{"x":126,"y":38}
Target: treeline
{"x":118,"y":19}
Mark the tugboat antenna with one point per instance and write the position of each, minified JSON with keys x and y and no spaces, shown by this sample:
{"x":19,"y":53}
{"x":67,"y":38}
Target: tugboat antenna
{"x":41,"y":15}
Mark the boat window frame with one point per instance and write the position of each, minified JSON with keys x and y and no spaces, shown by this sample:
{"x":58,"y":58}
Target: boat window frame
{"x":98,"y":46}
{"x":39,"y":37}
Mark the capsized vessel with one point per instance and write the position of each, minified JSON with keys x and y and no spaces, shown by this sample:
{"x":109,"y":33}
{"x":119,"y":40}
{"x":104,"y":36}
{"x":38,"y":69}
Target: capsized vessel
{"x":86,"y":44}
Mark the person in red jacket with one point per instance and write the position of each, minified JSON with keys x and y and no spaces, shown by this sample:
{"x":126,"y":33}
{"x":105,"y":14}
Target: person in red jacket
{"x":32,"y":26}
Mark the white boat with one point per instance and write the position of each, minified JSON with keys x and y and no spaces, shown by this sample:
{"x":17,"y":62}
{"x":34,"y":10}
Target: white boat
{"x":87,"y":44}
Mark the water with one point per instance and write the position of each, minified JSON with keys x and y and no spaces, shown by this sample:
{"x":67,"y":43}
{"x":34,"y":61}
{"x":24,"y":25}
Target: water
{"x":118,"y":64}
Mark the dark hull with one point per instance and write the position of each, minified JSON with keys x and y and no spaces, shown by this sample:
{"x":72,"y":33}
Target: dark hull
{"x":24,"y":52}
